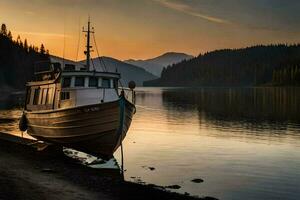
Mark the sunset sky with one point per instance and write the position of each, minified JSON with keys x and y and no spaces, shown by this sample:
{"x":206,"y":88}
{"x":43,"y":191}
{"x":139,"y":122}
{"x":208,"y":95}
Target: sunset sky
{"x":142,"y":29}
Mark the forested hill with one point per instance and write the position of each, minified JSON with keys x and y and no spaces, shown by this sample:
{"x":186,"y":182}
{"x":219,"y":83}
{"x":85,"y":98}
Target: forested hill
{"x":17,"y":60}
{"x":258,"y":65}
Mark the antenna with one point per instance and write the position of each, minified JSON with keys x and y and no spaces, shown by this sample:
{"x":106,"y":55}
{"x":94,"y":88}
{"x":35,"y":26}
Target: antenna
{"x":64,"y":49}
{"x":87,"y":52}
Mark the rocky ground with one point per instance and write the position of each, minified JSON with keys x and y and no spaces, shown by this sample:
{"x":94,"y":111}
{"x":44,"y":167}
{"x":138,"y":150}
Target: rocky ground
{"x":28,"y":174}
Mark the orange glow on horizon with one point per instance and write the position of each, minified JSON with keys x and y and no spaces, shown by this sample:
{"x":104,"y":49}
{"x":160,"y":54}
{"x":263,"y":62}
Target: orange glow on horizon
{"x":111,"y":47}
{"x":146,"y":29}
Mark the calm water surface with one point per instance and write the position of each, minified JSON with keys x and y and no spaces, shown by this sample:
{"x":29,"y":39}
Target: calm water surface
{"x":243,"y":142}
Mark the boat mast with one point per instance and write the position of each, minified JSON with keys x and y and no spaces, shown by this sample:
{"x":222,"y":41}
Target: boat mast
{"x":88,"y":46}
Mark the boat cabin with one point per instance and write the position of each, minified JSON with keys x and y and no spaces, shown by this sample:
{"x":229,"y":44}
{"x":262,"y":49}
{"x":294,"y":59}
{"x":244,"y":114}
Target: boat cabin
{"x":71,"y":89}
{"x":80,"y":88}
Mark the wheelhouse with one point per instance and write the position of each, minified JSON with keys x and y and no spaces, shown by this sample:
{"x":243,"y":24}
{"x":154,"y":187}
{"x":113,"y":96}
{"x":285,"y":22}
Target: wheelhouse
{"x":71,"y":89}
{"x":43,"y":93}
{"x":88,"y":87}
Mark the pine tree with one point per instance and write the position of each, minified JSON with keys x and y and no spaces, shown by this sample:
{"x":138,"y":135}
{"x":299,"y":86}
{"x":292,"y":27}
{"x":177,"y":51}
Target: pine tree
{"x":21,"y":44}
{"x":9,"y":35}
{"x":18,"y":40}
{"x":292,"y":75}
{"x":30,"y":49}
{"x":42,"y":49}
{"x":26,"y":45}
{"x":16,"y":65}
{"x":280,"y":76}
{"x":284,"y":75}
{"x":163,"y":72}
{"x":274,"y":77}
{"x":3,"y":30}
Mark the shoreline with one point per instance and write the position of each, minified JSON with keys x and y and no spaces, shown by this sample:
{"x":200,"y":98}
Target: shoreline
{"x":28,"y":174}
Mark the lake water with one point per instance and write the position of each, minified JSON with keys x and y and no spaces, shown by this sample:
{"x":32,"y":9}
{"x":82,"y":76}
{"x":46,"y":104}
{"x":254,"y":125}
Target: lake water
{"x":243,"y":142}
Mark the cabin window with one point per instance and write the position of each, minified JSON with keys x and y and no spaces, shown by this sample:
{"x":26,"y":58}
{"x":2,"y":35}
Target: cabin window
{"x":36,"y":96}
{"x":65,"y":95}
{"x":79,"y":81}
{"x":115,"y":83}
{"x":105,"y":83}
{"x":49,"y":96}
{"x":69,"y":67}
{"x":66,"y":82}
{"x":28,"y":96}
{"x":93,"y":82}
{"x":44,"y":96}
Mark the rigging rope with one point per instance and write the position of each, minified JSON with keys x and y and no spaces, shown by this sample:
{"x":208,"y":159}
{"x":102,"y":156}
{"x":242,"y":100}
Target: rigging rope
{"x":93,"y":65}
{"x":99,"y":58}
{"x":78,"y":44}
{"x":104,"y":68}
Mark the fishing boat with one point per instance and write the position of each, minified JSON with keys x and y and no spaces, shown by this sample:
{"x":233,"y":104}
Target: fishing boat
{"x":79,"y":108}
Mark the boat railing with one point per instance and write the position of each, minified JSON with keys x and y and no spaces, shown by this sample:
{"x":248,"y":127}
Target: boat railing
{"x":46,"y":70}
{"x":42,"y":67}
{"x":128,"y":93}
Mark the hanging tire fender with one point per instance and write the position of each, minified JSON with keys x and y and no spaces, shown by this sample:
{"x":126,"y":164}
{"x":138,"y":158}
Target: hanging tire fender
{"x":23,"y":123}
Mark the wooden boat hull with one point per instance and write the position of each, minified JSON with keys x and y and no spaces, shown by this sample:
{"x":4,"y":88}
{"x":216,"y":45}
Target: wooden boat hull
{"x":95,"y":129}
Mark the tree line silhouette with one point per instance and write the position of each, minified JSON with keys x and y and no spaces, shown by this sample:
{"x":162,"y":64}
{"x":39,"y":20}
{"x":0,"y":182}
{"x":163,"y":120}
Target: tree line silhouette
{"x":17,"y":59}
{"x":251,"y":66}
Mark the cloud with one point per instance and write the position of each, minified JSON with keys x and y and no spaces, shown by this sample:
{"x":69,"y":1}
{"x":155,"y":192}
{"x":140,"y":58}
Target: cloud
{"x":189,"y":11}
{"x":41,"y":34}
{"x":30,"y":13}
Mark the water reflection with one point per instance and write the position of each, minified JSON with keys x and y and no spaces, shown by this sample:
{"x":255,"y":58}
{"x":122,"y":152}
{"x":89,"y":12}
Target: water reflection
{"x":254,"y":111}
{"x":243,"y":142}
{"x":11,"y":100}
{"x":10,"y":111}
{"x":234,"y":104}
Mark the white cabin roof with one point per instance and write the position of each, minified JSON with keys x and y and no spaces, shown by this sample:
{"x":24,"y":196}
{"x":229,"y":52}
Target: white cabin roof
{"x":91,"y":73}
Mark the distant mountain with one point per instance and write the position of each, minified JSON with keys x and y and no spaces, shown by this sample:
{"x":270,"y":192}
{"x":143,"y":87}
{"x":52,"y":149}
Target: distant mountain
{"x":170,"y":58}
{"x":128,"y":72}
{"x":64,"y":60}
{"x":251,"y":66}
{"x":155,"y":65}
